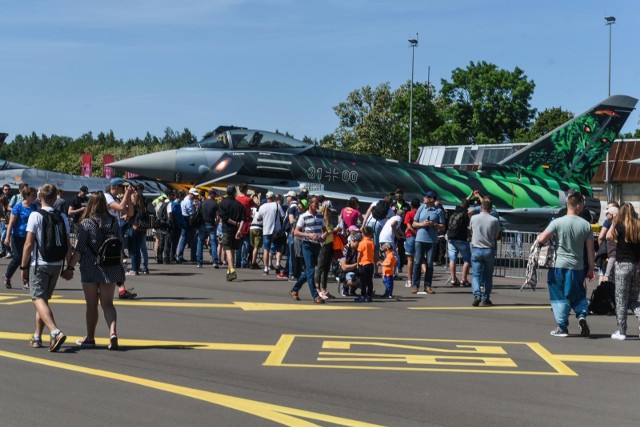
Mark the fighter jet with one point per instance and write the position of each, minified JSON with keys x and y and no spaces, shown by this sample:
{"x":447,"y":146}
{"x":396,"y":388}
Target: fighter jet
{"x":528,"y":188}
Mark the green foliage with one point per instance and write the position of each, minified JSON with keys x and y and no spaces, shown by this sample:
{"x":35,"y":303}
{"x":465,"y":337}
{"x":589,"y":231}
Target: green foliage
{"x":483,"y":104}
{"x":545,"y":122}
{"x":64,"y":154}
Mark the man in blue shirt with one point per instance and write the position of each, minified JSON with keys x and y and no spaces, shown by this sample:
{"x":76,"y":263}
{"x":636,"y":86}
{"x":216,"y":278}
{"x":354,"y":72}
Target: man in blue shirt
{"x":428,"y":222}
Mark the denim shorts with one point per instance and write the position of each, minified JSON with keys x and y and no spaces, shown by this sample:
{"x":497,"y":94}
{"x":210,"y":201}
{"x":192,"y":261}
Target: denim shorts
{"x":461,"y":247}
{"x":410,"y":246}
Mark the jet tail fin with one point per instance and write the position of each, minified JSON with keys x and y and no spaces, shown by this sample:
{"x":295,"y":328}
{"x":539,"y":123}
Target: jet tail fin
{"x":572,"y":152}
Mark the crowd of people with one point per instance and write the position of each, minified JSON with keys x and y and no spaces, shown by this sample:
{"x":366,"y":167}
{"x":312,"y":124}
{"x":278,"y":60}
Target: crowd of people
{"x":304,"y":239}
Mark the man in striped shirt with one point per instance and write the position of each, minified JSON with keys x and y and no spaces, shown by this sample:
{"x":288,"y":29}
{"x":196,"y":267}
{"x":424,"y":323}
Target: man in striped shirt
{"x":311,"y":228}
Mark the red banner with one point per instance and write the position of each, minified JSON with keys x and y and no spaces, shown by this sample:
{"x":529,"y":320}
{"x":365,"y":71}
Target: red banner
{"x":107,"y":172}
{"x":86,"y":164}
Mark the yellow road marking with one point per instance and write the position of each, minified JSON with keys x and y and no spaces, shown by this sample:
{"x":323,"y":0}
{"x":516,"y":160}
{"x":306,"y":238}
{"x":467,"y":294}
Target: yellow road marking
{"x":279,"y":414}
{"x":123,"y":342}
{"x":596,"y":359}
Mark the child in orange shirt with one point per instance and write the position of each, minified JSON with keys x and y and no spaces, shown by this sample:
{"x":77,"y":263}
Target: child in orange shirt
{"x":388,"y":268}
{"x":366,"y":249}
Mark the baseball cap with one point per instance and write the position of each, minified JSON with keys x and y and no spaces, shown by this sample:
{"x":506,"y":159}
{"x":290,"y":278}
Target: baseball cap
{"x":290,"y":193}
{"x":269,"y":195}
{"x":432,"y":194}
{"x":117,"y":181}
{"x":612,"y":210}
{"x":84,"y":189}
{"x":354,"y":228}
{"x":192,"y":190}
{"x":354,"y":237}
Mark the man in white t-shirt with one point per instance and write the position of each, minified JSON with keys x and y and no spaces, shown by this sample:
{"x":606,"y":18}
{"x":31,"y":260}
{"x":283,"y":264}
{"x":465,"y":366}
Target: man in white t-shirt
{"x":389,"y":232}
{"x":271,"y":214}
{"x":119,"y":203}
{"x":43,"y":275}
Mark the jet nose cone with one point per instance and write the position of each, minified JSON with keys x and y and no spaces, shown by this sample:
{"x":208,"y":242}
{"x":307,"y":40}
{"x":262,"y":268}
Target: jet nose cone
{"x":160,"y":165}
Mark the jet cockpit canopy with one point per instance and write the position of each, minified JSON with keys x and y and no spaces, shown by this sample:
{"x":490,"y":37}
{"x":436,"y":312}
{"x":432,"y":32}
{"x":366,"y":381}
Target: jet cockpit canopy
{"x":246,"y":139}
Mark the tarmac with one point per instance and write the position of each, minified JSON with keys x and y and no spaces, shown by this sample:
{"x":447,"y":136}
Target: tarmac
{"x":198,"y":350}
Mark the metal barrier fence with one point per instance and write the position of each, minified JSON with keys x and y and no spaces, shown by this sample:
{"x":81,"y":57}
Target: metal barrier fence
{"x":511,"y":256}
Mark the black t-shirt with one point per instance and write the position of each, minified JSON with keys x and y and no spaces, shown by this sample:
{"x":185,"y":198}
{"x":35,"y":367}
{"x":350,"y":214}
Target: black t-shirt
{"x":209,"y":211}
{"x":626,"y":251}
{"x":78,"y":203}
{"x":230,"y":209}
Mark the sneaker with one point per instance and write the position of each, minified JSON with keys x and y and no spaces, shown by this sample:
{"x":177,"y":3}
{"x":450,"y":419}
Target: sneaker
{"x":199,"y":266}
{"x":57,"y":341}
{"x":113,"y":343}
{"x":344,"y":292}
{"x":7,"y":282}
{"x":408,"y":284}
{"x":216,"y":265}
{"x":487,"y":303}
{"x":559,"y":332}
{"x":281,"y":275}
{"x":35,"y":343}
{"x":144,"y":271}
{"x":360,"y":299}
{"x":232,"y":276}
{"x":584,"y":327}
{"x":617,"y":335}
{"x":132,"y":273}
{"x":368,"y":299}
{"x":455,"y":282}
{"x":127,"y":294}
{"x":265,"y":271}
{"x":9,"y":256}
{"x":294,"y":295}
{"x":465,"y":284}
{"x":476,"y":301}
{"x":25,"y":284}
{"x":85,"y":343}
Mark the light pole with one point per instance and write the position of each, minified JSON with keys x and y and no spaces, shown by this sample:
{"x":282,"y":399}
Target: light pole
{"x":412,"y":43}
{"x":610,"y":21}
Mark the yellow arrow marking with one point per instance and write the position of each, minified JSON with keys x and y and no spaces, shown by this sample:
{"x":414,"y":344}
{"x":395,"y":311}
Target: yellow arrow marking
{"x":279,"y":414}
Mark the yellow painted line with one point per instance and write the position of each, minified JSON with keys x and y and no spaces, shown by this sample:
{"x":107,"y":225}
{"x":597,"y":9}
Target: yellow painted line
{"x":279,"y":414}
{"x":552,"y":360}
{"x":596,"y":359}
{"x":258,"y":306}
{"x":501,"y":307}
{"x":123,"y":342}
{"x":282,"y":347}
{"x":3,"y":298}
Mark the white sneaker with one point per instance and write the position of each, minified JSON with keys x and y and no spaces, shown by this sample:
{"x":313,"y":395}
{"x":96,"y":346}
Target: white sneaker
{"x":265,"y":271}
{"x":618,"y":336}
{"x":408,"y":284}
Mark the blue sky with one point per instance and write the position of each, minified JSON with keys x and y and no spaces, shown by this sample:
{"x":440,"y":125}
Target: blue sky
{"x":69,"y":67}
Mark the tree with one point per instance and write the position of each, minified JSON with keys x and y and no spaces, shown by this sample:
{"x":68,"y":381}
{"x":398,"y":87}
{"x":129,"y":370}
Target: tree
{"x":484,"y":104}
{"x":545,"y":122}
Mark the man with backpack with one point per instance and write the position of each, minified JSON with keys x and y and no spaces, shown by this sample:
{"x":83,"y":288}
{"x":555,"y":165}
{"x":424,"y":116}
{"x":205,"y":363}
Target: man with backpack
{"x":458,"y":243}
{"x":48,"y":247}
{"x":164,"y":224}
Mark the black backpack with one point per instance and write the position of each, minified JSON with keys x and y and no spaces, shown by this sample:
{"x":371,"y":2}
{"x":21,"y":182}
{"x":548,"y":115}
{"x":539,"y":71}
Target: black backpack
{"x":163,"y":216}
{"x":380,"y":210}
{"x":195,"y":220}
{"x":110,"y":250}
{"x":603,"y":299}
{"x":53,"y":247}
{"x":456,"y":225}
